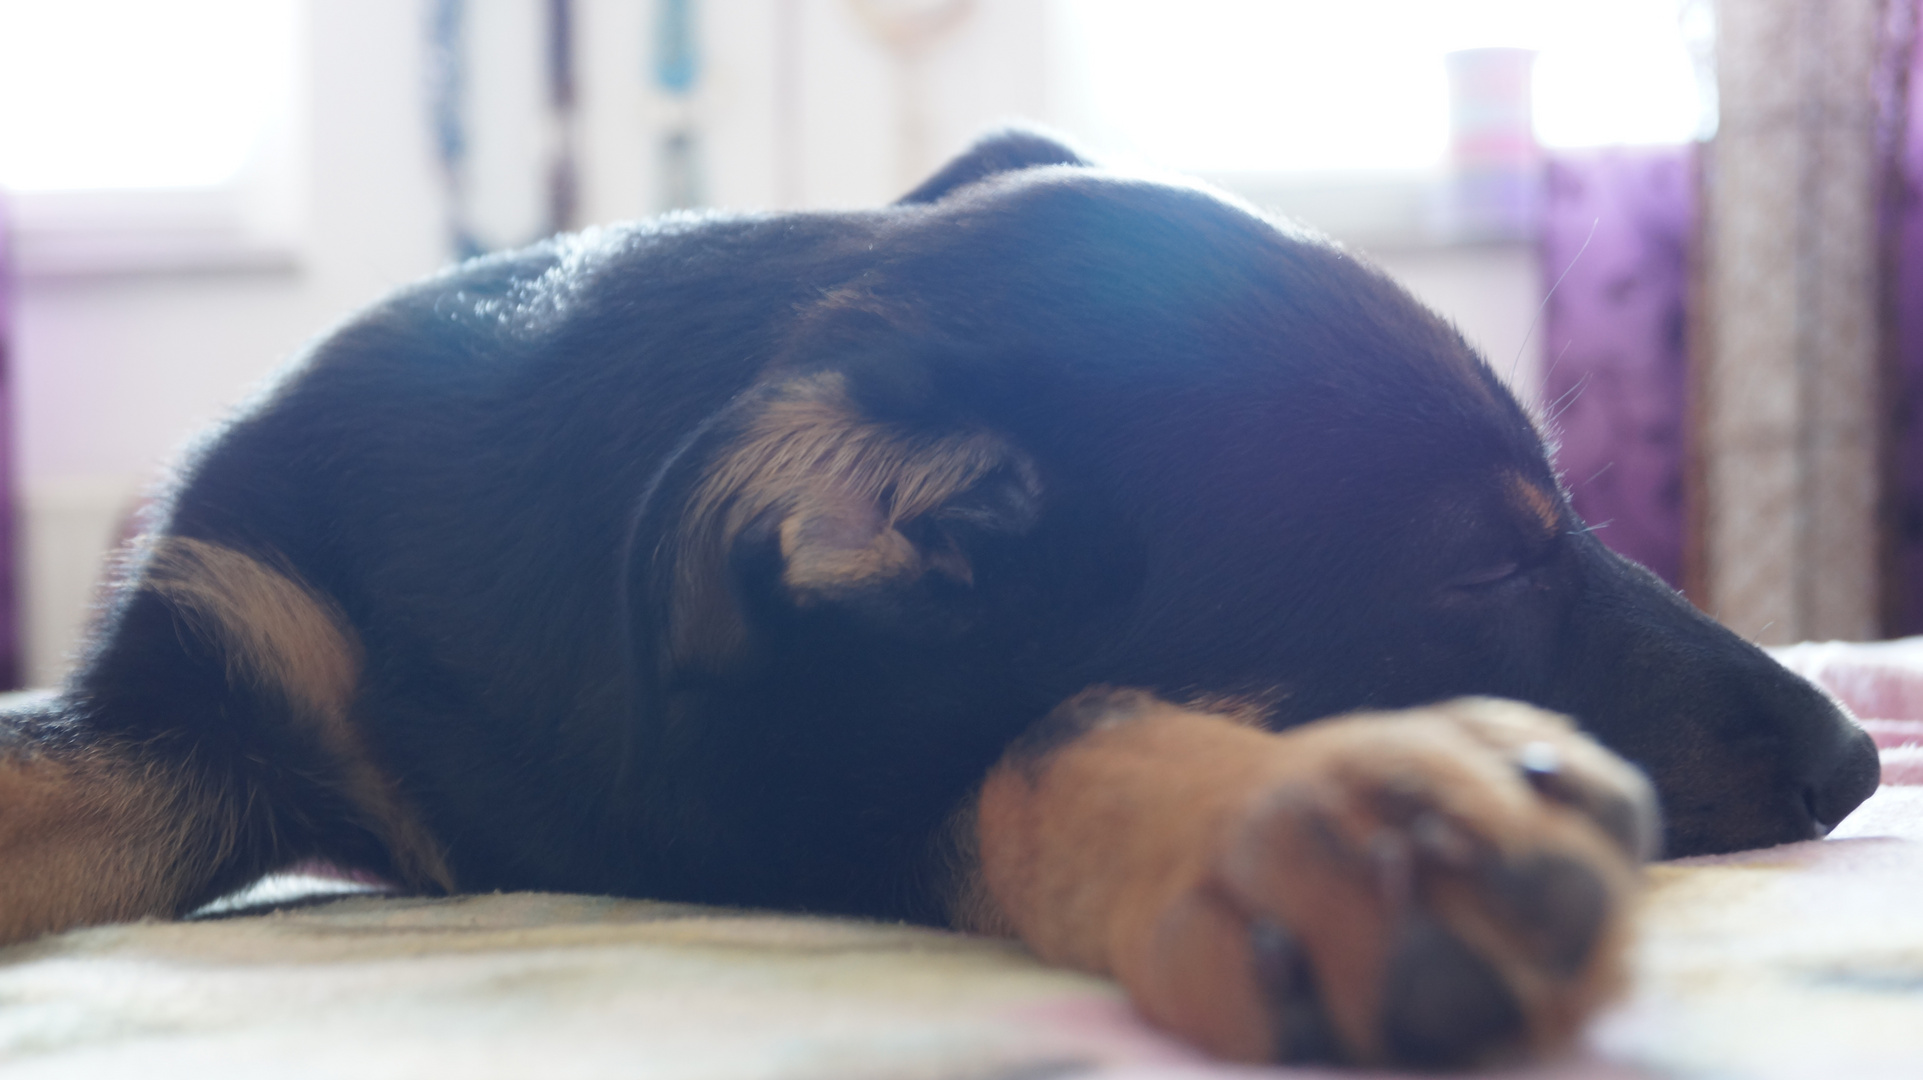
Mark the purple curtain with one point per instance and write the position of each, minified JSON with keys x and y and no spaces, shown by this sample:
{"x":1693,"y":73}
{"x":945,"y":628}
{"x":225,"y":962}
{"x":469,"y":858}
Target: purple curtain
{"x":1614,"y":247}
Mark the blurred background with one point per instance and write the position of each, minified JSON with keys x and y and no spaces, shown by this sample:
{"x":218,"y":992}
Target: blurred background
{"x":1677,"y":227}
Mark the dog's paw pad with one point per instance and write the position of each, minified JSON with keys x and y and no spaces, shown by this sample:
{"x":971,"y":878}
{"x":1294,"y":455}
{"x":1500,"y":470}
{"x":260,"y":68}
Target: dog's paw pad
{"x":1286,"y":978}
{"x":1443,"y":1004}
{"x":1555,"y":904}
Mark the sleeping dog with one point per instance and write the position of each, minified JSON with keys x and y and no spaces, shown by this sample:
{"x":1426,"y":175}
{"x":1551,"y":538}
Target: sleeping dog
{"x":1051,"y":553}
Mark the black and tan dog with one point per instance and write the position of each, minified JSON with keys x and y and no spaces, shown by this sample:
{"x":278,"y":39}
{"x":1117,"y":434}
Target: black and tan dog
{"x":981,"y":559}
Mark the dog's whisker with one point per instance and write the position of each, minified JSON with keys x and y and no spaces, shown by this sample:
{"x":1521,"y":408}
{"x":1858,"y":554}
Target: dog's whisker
{"x":1557,"y":362}
{"x":1523,"y":349}
{"x":1569,"y":398}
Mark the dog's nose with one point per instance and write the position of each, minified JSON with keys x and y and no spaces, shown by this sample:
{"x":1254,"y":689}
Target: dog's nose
{"x":1841,"y":779}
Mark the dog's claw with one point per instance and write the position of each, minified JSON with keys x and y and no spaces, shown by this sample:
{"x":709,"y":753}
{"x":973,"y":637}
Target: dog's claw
{"x":1539,"y":761}
{"x":1620,"y":817}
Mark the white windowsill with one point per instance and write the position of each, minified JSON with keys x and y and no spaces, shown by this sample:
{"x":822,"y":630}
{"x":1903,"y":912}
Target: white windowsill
{"x":1375,"y":210}
{"x":88,"y":234}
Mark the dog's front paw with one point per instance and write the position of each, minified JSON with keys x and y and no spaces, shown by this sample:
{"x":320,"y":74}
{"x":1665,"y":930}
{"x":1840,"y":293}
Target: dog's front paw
{"x":1444,"y":886}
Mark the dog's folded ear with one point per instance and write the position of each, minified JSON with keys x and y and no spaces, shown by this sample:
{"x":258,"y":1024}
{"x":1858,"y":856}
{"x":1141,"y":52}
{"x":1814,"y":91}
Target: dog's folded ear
{"x":883,"y":552}
{"x":800,"y":508}
{"x":1008,"y":150}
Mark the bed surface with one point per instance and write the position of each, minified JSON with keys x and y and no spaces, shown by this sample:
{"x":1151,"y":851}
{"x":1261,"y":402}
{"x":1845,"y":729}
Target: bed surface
{"x":1799,"y":961}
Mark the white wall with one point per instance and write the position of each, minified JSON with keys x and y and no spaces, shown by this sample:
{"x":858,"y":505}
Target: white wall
{"x":115,"y":373}
{"x":1492,"y":292}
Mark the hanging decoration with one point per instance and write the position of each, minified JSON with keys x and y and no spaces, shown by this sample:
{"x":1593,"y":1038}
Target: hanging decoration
{"x":909,"y":29}
{"x":447,"y":93}
{"x":677,"y":71}
{"x":564,"y":177}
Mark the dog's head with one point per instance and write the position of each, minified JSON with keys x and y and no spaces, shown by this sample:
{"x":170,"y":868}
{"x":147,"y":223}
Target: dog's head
{"x":1070,"y":428}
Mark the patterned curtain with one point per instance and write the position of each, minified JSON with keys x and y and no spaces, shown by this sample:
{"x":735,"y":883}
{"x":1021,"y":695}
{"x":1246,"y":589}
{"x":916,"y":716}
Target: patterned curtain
{"x":1903,"y":230}
{"x":1614,"y":250}
{"x":1791,"y":373}
{"x":1754,"y":345}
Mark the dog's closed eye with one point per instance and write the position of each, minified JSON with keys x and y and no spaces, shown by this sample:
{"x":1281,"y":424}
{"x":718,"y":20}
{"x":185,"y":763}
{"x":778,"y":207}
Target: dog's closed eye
{"x":1493,"y":574}
{"x":1496,"y":572}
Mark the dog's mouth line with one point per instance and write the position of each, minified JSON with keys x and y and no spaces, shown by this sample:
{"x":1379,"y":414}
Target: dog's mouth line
{"x":1690,"y":834}
{"x":1818,"y":827}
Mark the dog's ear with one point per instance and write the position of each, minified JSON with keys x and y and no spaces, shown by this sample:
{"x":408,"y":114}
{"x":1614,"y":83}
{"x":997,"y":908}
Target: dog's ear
{"x":1004,"y":151}
{"x":802,"y":505}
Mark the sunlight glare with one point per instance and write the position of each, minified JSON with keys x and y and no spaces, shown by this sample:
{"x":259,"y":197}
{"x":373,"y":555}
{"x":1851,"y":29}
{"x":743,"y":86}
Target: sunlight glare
{"x":105,"y":94}
{"x":1294,"y":85}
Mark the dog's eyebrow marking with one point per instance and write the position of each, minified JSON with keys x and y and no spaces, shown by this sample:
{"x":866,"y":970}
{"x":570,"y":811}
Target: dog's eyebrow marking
{"x":1540,"y":504}
{"x":839,"y":482}
{"x":279,"y":634}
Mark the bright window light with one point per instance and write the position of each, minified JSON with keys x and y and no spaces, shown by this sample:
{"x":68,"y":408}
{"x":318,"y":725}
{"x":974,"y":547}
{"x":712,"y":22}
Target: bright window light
{"x":1307,"y":85}
{"x":138,"y":94}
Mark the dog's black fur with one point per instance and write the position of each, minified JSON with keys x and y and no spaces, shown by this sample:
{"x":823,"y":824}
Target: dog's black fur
{"x":1211,"y":456}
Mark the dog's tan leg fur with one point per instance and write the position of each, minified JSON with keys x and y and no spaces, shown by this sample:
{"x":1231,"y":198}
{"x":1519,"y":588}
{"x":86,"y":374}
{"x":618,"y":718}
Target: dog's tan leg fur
{"x":94,"y":835}
{"x":1146,"y":841}
{"x":99,"y":829}
{"x":280,"y":634}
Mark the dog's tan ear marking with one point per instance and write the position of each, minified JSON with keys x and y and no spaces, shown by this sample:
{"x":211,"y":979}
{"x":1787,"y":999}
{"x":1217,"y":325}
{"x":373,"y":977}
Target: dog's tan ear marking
{"x":852,"y":504}
{"x":277,"y":633}
{"x":836,"y":543}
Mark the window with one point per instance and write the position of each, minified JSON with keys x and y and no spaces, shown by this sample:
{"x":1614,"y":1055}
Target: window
{"x":1226,"y":86}
{"x":139,"y":134}
{"x":1337,"y":111}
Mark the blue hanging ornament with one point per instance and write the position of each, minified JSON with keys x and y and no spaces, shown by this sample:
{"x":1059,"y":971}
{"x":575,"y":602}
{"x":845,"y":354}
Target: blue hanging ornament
{"x":447,"y":73}
{"x":447,"y":91}
{"x":676,"y":64}
{"x":677,"y":70}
